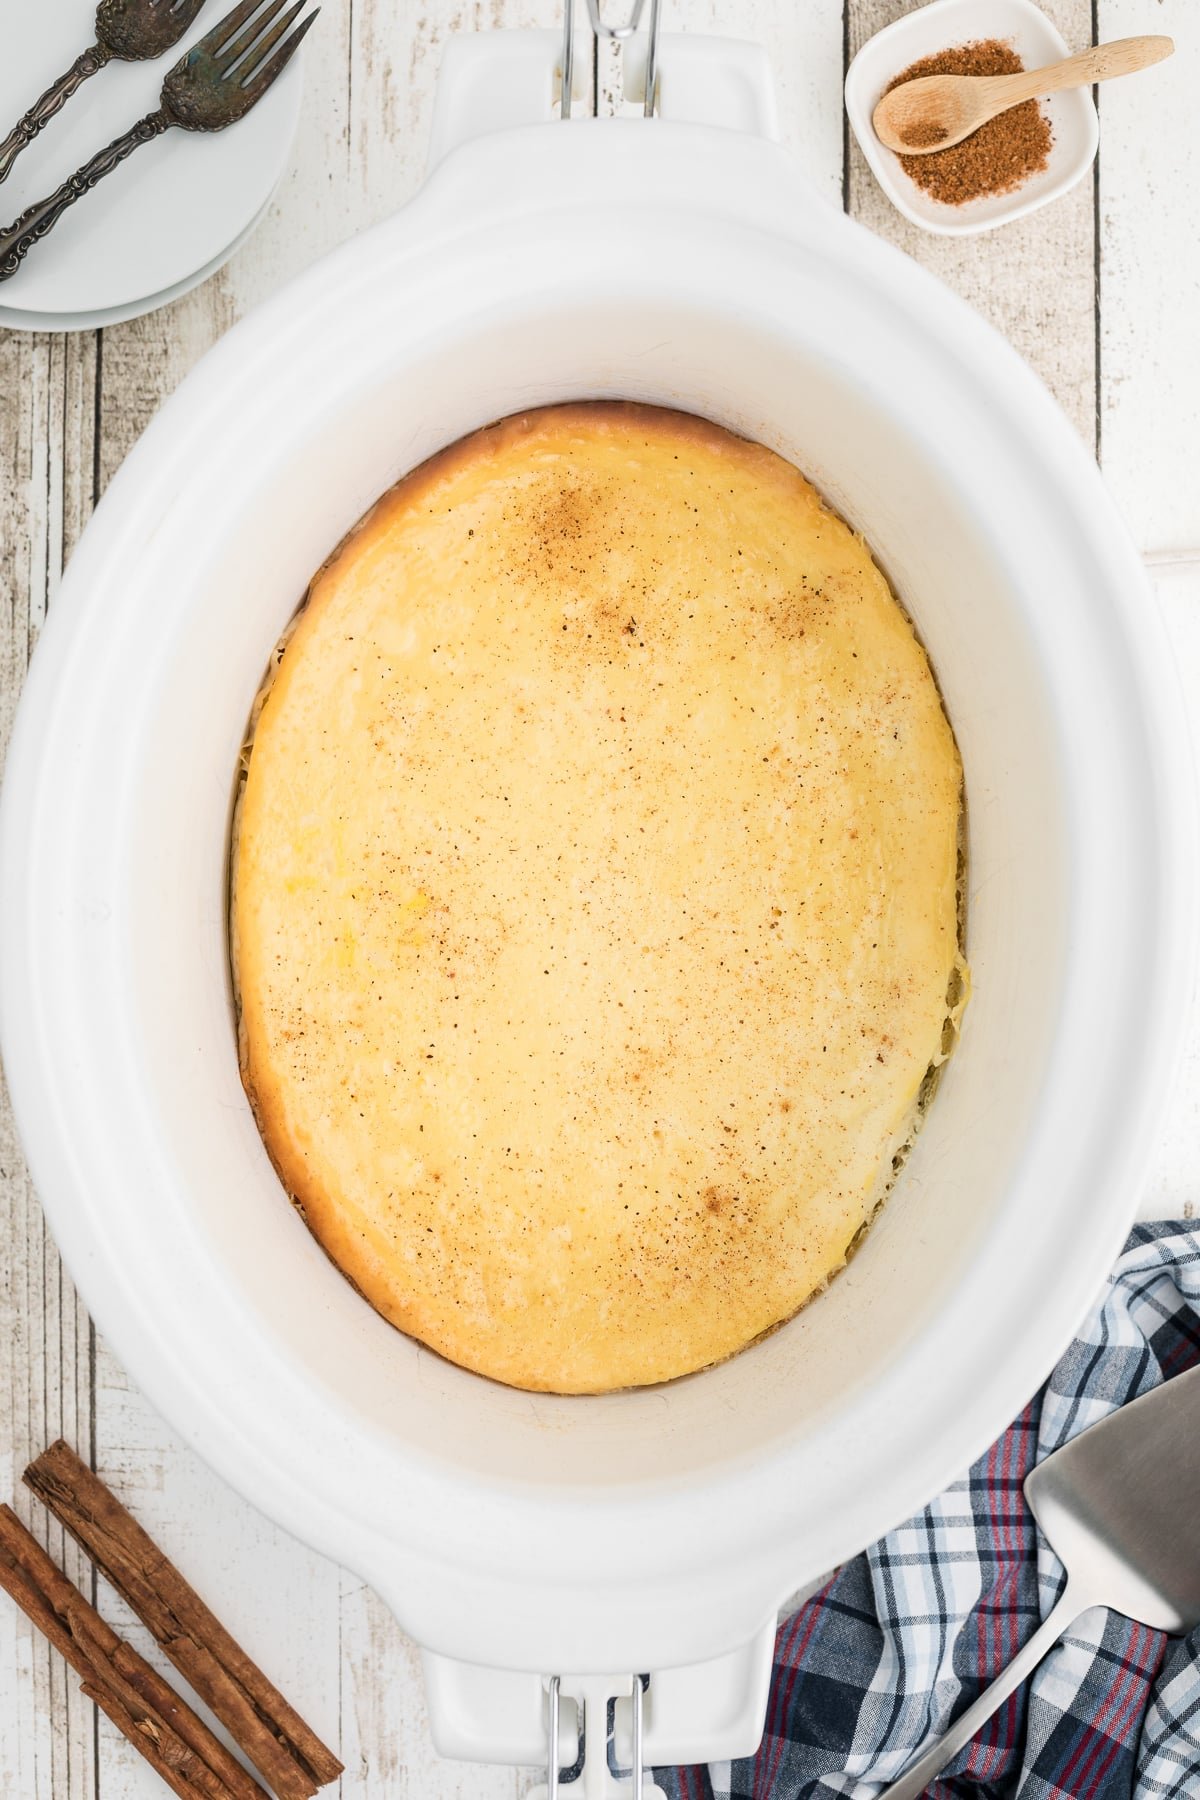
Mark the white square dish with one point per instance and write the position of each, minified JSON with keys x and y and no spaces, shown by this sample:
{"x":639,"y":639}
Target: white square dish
{"x":1072,"y":114}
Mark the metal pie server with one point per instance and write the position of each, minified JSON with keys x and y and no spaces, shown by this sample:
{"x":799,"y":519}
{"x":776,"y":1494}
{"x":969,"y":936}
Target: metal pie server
{"x":1118,"y":1504}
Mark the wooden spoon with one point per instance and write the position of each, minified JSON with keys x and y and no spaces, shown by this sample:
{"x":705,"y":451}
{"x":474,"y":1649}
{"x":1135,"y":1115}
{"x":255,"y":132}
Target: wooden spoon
{"x":936,"y":111}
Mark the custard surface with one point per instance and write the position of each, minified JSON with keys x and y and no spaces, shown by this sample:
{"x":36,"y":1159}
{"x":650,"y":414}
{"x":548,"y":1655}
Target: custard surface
{"x":594,"y":903}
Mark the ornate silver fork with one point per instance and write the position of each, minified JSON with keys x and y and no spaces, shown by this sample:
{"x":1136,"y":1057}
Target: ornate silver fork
{"x":213,"y":84}
{"x":128,"y":30}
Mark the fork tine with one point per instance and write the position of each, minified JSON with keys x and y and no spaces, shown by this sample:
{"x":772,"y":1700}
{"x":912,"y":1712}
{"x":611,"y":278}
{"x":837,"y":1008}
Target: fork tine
{"x":212,"y":40}
{"x":265,"y":44}
{"x":229,"y":52}
{"x":259,"y":80}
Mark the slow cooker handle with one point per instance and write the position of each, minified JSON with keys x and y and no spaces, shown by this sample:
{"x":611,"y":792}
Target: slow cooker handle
{"x":495,"y":80}
{"x":705,"y":1712}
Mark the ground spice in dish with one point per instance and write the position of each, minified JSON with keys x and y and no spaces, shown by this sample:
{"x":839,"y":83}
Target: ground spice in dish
{"x":924,"y":133}
{"x":1001,"y":154}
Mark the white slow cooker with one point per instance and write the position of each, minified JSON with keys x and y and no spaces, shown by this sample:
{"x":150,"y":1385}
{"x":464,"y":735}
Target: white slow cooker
{"x":519,"y":1536}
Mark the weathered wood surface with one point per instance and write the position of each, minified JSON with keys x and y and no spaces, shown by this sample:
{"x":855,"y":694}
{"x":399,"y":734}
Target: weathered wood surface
{"x":1035,"y":279}
{"x":1101,"y":292}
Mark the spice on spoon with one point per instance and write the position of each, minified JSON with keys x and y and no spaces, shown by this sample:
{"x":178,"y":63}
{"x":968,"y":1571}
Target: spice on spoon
{"x":996,"y":158}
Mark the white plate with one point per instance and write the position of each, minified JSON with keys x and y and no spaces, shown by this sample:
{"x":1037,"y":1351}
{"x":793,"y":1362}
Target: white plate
{"x":929,"y":29}
{"x":12,"y":319}
{"x":165,"y":219}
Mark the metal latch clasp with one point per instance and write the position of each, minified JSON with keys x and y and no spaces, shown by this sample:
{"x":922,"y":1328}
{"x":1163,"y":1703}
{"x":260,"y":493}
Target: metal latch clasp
{"x":609,"y":1755}
{"x":603,"y":29}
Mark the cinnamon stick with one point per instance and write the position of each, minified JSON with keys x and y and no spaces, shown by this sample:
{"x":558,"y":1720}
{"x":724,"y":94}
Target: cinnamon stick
{"x":289,"y":1755}
{"x":171,"y":1737}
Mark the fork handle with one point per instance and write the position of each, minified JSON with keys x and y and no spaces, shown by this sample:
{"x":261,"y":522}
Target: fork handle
{"x":916,"y":1779}
{"x":40,"y":218}
{"x":51,"y":102}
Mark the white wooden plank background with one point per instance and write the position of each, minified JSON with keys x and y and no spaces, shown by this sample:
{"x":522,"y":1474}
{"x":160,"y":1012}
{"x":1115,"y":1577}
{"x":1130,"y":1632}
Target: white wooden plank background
{"x":1101,"y":292}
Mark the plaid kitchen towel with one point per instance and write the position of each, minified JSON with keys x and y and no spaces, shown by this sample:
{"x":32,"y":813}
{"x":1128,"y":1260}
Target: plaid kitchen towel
{"x":903,"y":1638}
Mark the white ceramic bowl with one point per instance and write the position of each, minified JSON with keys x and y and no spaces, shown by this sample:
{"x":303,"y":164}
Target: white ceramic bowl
{"x":648,"y":1530}
{"x":1037,"y":41}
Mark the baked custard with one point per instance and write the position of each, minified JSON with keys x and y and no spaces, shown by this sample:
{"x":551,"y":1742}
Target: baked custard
{"x":595,"y":902}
